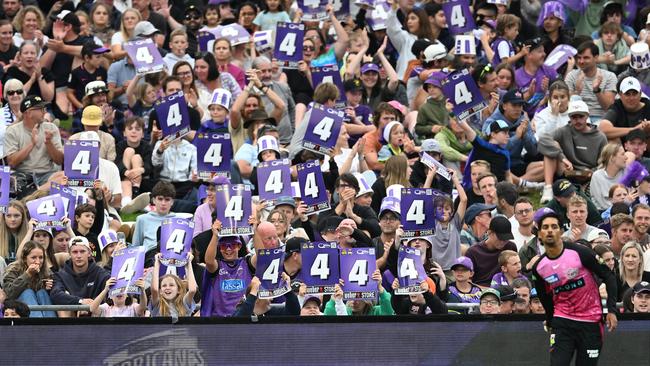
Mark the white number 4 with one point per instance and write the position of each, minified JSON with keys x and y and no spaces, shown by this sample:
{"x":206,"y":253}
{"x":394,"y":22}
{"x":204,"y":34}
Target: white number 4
{"x":213,"y":155}
{"x":311,"y":188}
{"x":288,"y":45}
{"x":143,"y":55}
{"x":175,"y":241}
{"x":320,"y":266}
{"x":128,"y":269}
{"x":457,"y":17}
{"x":407,"y":269}
{"x":46,"y":208}
{"x":416,"y":212}
{"x":271,"y":273}
{"x":324,"y":128}
{"x":81,"y":162}
{"x":234,"y":208}
{"x":462,"y":94}
{"x":359,"y":272}
{"x":274,"y":183}
{"x":174,"y":117}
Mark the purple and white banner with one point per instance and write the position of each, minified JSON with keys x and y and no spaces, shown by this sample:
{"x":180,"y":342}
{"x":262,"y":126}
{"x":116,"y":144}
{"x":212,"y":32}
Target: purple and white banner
{"x":323,"y":129}
{"x":128,"y":267}
{"x":214,"y":154}
{"x":417,"y":210}
{"x":263,"y":41}
{"x":313,"y":10}
{"x":431,"y":162}
{"x":175,"y":241}
{"x":270,"y":265}
{"x":463,"y":93}
{"x":329,"y":74}
{"x":206,"y":41}
{"x":357,"y":266}
{"x":288,"y":44}
{"x":69,"y":197}
{"x":559,"y":56}
{"x":81,"y":162}
{"x":234,"y":33}
{"x":410,"y":271}
{"x":377,"y":18}
{"x":274,"y":179}
{"x":145,"y":56}
{"x":459,"y":16}
{"x":173,"y":116}
{"x":312,"y":187}
{"x":233,"y":207}
{"x":320,"y":267}
{"x":5,"y":188}
{"x":49,"y":211}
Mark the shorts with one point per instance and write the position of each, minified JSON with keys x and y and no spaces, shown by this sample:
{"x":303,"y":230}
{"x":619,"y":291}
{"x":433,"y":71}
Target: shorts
{"x":585,"y":339}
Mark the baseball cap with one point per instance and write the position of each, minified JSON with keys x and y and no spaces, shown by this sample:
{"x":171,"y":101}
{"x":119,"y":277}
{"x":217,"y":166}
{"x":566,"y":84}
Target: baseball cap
{"x":435,"y":79}
{"x":390,"y":204}
{"x":32,"y":101}
{"x":69,"y":17}
{"x":96,"y":87}
{"x":294,"y":245}
{"x":430,"y":145}
{"x":534,"y":43}
{"x":595,"y":234}
{"x":285,"y":200}
{"x":463,"y":261}
{"x":541,"y":212}
{"x":578,"y":107}
{"x":352,"y":85}
{"x":436,"y":51}
{"x":329,"y":223}
{"x":91,"y":116}
{"x":105,"y":238}
{"x":507,"y":293}
{"x":369,"y":67}
{"x":500,"y":226}
{"x":513,"y":96}
{"x":79,"y":240}
{"x":629,"y":83}
{"x":312,"y":297}
{"x":91,"y":48}
{"x":419,"y":46}
{"x":491,"y":291}
{"x":642,"y":286}
{"x":145,"y":29}
{"x":474,"y":210}
{"x":636,"y":134}
{"x":563,"y":188}
{"x":497,"y":126}
{"x":398,"y":106}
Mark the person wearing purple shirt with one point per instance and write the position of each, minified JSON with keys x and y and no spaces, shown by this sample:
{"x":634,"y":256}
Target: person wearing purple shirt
{"x":533,"y":78}
{"x":225,"y":279}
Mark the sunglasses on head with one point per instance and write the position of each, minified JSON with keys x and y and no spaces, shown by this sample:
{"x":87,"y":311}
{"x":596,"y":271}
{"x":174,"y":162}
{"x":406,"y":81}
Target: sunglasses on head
{"x":486,"y":70}
{"x":14,"y":92}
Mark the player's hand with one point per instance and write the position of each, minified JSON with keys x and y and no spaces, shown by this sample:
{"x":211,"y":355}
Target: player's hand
{"x":611,"y":321}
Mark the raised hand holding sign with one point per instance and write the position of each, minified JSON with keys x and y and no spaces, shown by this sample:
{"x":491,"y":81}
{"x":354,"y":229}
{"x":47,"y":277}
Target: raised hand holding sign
{"x":288,"y":39}
{"x":320,"y":263}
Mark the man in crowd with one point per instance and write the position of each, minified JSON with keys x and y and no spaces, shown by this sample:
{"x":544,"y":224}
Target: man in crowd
{"x":630,"y":112}
{"x":477,"y":218}
{"x":485,"y":255}
{"x":522,"y":222}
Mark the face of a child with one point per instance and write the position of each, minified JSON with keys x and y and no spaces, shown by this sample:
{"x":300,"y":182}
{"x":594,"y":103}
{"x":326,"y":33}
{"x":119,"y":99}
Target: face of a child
{"x":119,"y":300}
{"x":462,"y":274}
{"x":354,"y":97}
{"x":475,"y":171}
{"x":86,"y":219}
{"x":434,"y":92}
{"x":268,"y":155}
{"x":163,"y":204}
{"x":397,"y":135}
{"x":513,"y":266}
{"x":447,"y":211}
{"x":504,"y":79}
{"x":133,"y":133}
{"x":501,"y":137}
{"x":229,"y":251}
{"x":211,"y":17}
{"x":217,"y":113}
{"x":11,"y":313}
{"x":178,"y":45}
{"x":94,"y":60}
{"x":110,"y":248}
{"x":364,"y":200}
{"x":168,"y":288}
{"x":512,"y":32}
{"x":609,"y":38}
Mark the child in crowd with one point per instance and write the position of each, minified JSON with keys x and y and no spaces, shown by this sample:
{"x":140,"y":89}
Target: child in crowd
{"x":146,"y":226}
{"x":433,"y":115}
{"x":108,"y":242}
{"x":178,"y":45}
{"x":617,"y":193}
{"x":463,"y":290}
{"x":121,"y":305}
{"x":15,"y":309}
{"x":393,"y":139}
{"x":359,"y":307}
{"x":133,"y":160}
{"x":169,"y":296}
{"x":510,"y":269}
{"x":427,"y":302}
{"x":89,"y":224}
{"x":179,"y":166}
{"x":211,"y":16}
{"x":445,"y":244}
{"x":273,"y":14}
{"x":507,"y":30}
{"x":643,"y":192}
{"x":219,"y":108}
{"x":90,"y":70}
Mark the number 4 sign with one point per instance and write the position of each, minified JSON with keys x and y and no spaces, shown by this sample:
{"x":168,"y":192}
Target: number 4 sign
{"x":320,"y":267}
{"x":323,"y":129}
{"x":357,"y":266}
{"x":81,"y":162}
{"x":214,"y":152}
{"x":288,"y":44}
{"x":410,"y":271}
{"x":173,"y":115}
{"x":145,"y":56}
{"x":417,"y":204}
{"x":466,"y":99}
{"x":270,"y":266}
{"x":175,"y":241}
{"x":128,"y":267}
{"x":312,"y":184}
{"x":5,"y":178}
{"x":233,"y":209}
{"x":459,"y":16}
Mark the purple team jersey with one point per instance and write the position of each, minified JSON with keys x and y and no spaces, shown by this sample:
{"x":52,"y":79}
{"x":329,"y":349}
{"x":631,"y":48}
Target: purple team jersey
{"x":227,"y":287}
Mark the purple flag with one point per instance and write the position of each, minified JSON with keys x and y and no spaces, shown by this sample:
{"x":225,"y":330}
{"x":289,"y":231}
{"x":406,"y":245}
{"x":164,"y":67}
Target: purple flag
{"x":288,"y":44}
{"x":312,"y":187}
{"x":459,"y":16}
{"x":463,"y":93}
{"x":417,"y":211}
{"x":81,"y":162}
{"x":206,"y":41}
{"x":377,"y":17}
{"x":357,"y":266}
{"x":69,"y":197}
{"x":5,"y":187}
{"x":313,"y":10}
{"x":320,"y":267}
{"x":274,"y":179}
{"x":234,"y":33}
{"x":329,"y":74}
{"x":128,"y":267}
{"x":48,"y":211}
{"x":559,"y":56}
{"x":175,"y":241}
{"x":214,"y":153}
{"x":233,"y":209}
{"x":270,"y":265}
{"x":410,"y":271}
{"x":323,"y":129}
{"x":173,"y":116}
{"x":145,"y":56}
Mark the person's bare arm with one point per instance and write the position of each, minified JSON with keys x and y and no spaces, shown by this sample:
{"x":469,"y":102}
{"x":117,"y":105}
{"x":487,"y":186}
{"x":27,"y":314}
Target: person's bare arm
{"x":342,"y":39}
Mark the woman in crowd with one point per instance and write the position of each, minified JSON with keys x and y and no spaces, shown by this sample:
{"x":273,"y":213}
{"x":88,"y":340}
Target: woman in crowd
{"x":223,"y":54}
{"x":630,"y":268}
{"x":13,"y":94}
{"x":208,"y":78}
{"x":13,"y":229}
{"x":29,"y":23}
{"x":36,"y":80}
{"x":130,"y":17}
{"x":100,"y":22}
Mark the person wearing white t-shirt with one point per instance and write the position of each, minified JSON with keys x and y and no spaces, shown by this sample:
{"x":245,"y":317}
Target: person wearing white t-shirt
{"x":522,"y":222}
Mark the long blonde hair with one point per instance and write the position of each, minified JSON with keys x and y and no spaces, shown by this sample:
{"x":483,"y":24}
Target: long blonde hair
{"x":609,"y":151}
{"x":177,"y":302}
{"x":6,"y":234}
{"x":20,"y":264}
{"x":621,"y":268}
{"x":126,"y":35}
{"x":395,"y":171}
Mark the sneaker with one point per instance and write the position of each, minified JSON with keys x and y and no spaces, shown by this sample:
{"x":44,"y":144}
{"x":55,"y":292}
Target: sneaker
{"x":137,"y":204}
{"x":538,"y":186}
{"x":547,"y":195}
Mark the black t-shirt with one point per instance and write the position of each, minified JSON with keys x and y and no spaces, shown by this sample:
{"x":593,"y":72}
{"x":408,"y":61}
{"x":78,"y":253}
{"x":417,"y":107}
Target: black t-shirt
{"x":300,"y":86}
{"x":623,"y":118}
{"x":62,"y":65}
{"x":80,"y":77}
{"x":15,"y":73}
{"x":8,"y":55}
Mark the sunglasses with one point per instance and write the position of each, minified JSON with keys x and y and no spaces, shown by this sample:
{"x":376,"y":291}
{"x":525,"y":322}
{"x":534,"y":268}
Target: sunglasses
{"x":15,"y":92}
{"x":486,"y":70}
{"x":192,"y":16}
{"x":228,"y":245}
{"x":308,"y":48}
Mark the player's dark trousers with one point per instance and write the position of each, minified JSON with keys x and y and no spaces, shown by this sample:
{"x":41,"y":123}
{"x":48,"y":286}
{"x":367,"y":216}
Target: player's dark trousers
{"x":582,"y":338}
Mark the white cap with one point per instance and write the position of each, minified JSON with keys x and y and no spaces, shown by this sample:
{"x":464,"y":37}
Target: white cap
{"x":436,"y":51}
{"x":267,"y":143}
{"x":629,"y":83}
{"x":221,"y":97}
{"x":577,"y":106}
{"x":639,"y":56}
{"x":364,"y":187}
{"x":79,"y":240}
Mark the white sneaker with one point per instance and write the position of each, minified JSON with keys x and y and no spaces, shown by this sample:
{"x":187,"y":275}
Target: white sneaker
{"x":547,"y":195}
{"x":538,"y":186}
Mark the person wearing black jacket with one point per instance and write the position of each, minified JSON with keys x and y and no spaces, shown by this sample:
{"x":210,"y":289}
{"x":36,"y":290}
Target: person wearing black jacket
{"x":417,"y":304}
{"x":258,"y":307}
{"x":91,"y":228}
{"x":80,"y":280}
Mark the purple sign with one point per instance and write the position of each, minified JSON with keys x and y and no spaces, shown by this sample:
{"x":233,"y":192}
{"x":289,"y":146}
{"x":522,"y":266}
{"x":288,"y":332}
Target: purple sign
{"x":175,"y":241}
{"x":176,"y":271}
{"x":377,"y":17}
{"x":559,"y":56}
{"x":320,"y":267}
{"x":459,"y":16}
{"x":288,"y":40}
{"x":274,"y":179}
{"x":410,"y":271}
{"x":417,"y":210}
{"x":49,"y":211}
{"x":214,"y":153}
{"x":206,"y":41}
{"x":128,"y":267}
{"x":357,"y":266}
{"x":463,"y":93}
{"x":270,"y":265}
{"x":323,"y":129}
{"x":234,"y":33}
{"x":81,"y":162}
{"x":341,"y":8}
{"x":329,"y":74}
{"x":263,"y":41}
{"x":173,"y":116}
{"x":233,"y":209}
{"x":69,"y":197}
{"x":145,"y":56}
{"x":313,"y":10}
{"x":312,"y":187}
{"x":5,"y":188}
